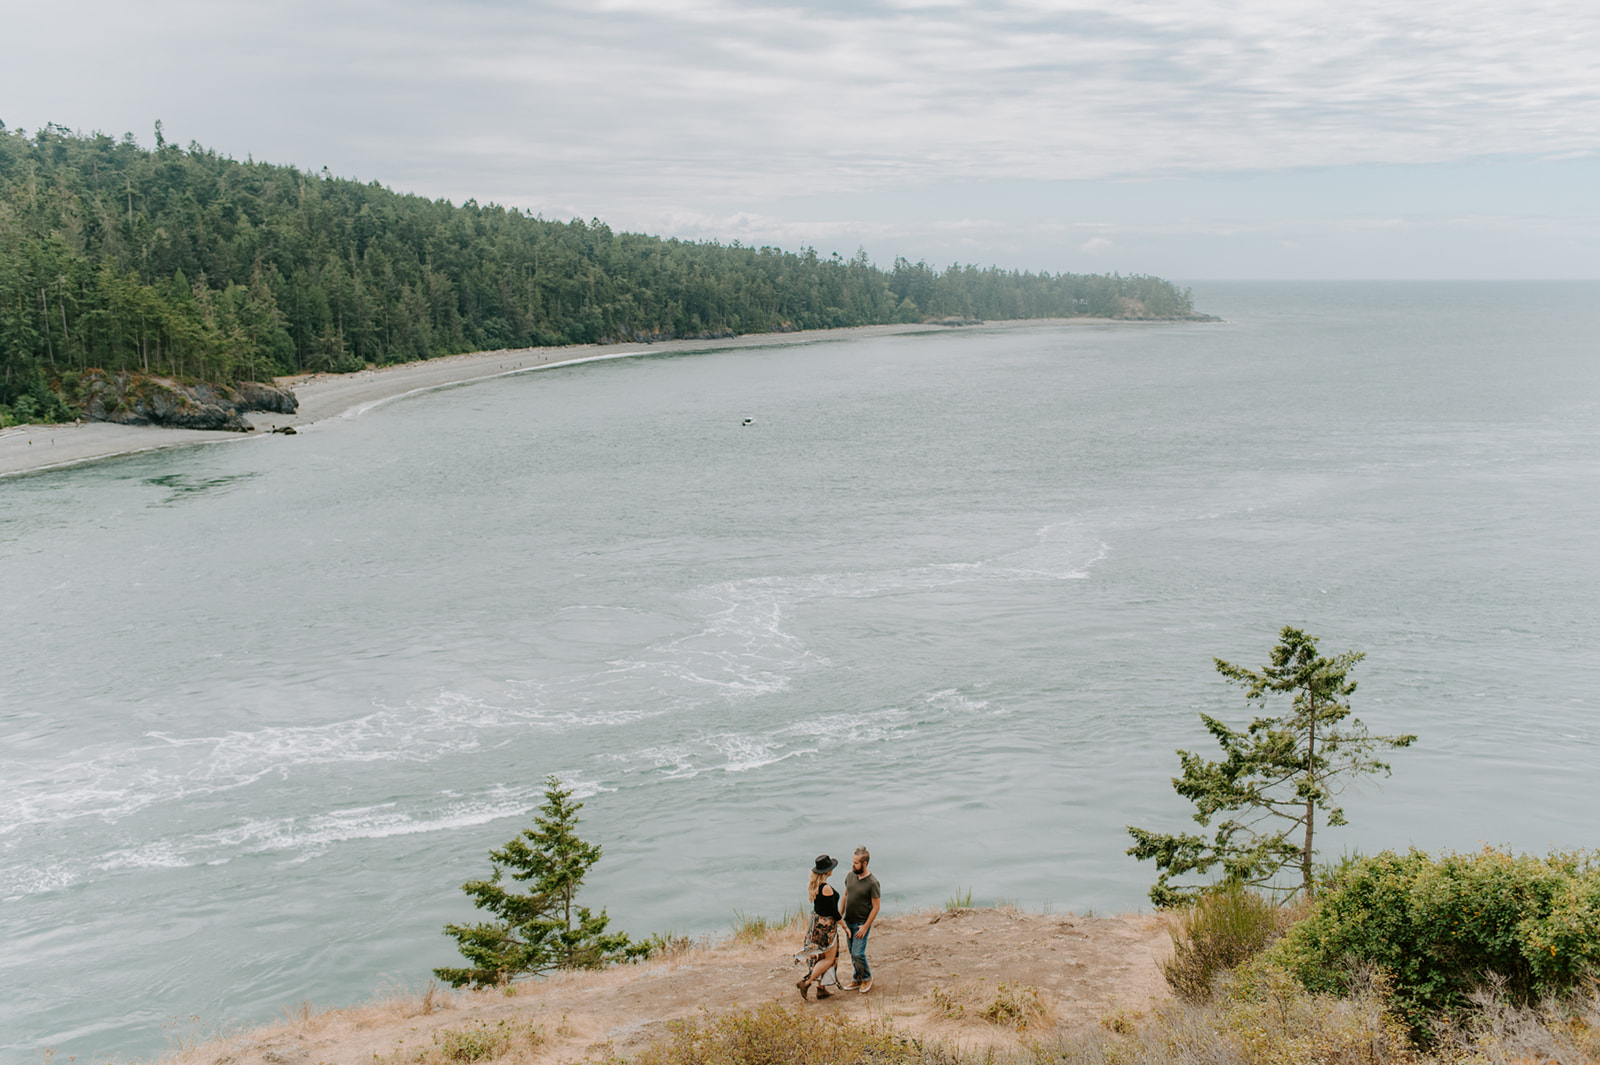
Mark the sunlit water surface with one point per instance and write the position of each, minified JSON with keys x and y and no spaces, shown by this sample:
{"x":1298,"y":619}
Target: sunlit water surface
{"x":264,"y":706}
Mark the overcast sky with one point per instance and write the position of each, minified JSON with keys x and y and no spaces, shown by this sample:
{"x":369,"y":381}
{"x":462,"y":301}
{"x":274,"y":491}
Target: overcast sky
{"x":1188,"y":138}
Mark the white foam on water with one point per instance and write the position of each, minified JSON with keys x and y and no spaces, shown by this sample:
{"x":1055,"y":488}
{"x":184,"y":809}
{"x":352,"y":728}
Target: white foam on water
{"x":31,"y":878}
{"x":298,"y":838}
{"x":953,"y":699}
{"x":746,"y":648}
{"x":674,"y":758}
{"x":742,"y":752}
{"x":742,"y":647}
{"x":1062,"y":552}
{"x":117,"y":783}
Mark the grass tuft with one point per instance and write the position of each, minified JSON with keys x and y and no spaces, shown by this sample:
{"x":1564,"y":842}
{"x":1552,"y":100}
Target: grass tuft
{"x":961,"y":900}
{"x":1017,"y":1006}
{"x":771,"y":1034}
{"x":665,"y":945}
{"x":505,"y":1041}
{"x":753,"y":928}
{"x":1014,"y":1006}
{"x":1220,"y":932}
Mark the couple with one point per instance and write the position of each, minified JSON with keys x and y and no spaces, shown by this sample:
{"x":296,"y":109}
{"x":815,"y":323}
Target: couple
{"x":858,"y":909}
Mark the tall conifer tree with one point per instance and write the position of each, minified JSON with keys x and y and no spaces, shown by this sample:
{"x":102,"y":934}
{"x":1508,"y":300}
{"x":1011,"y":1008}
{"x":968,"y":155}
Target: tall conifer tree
{"x":1274,"y":777}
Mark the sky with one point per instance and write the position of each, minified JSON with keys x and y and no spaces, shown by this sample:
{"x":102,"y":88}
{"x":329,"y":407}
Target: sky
{"x":1193,"y":139}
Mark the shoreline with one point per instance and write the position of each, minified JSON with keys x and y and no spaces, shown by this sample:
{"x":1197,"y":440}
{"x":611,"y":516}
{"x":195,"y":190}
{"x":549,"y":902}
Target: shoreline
{"x":28,"y":449}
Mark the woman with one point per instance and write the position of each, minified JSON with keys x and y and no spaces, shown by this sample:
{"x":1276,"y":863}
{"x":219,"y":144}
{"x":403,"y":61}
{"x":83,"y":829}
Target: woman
{"x":824,"y":924}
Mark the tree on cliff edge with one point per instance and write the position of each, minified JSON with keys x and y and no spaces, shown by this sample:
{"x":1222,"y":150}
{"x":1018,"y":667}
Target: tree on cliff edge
{"x":1273,"y":778}
{"x":543,"y":928}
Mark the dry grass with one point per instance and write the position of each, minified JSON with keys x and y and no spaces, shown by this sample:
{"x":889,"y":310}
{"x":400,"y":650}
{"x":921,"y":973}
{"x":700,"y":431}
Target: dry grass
{"x":1563,"y":1031}
{"x":1267,"y":1019}
{"x":752,"y":929}
{"x":505,"y":1042}
{"x":672,"y":945}
{"x":775,"y":1035}
{"x":392,"y":1004}
{"x":1272,"y":1024}
{"x":193,"y":1046}
{"x":1012,"y":1006}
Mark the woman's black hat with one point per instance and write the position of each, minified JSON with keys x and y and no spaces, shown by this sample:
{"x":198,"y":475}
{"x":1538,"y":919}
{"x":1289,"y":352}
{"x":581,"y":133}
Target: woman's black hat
{"x":825,"y":864}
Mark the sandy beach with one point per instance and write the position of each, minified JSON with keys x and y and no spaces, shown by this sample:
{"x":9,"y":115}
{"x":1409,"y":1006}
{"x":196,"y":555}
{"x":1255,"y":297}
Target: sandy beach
{"x":31,"y":448}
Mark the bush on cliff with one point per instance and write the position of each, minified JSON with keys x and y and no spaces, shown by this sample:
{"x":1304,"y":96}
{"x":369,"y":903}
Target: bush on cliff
{"x":1444,"y":928}
{"x":1217,"y":934}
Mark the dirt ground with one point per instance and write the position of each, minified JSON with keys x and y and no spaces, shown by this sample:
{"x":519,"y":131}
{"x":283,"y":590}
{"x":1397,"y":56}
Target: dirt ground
{"x":935,"y":975}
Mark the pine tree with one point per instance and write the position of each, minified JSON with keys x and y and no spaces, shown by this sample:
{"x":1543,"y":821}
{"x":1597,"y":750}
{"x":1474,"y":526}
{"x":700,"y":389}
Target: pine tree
{"x":543,"y":928}
{"x":1275,"y":775}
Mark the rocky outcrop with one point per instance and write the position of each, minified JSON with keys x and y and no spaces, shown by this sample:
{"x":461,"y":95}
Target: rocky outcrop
{"x":1135,"y":311}
{"x":253,"y":395}
{"x":135,"y":399}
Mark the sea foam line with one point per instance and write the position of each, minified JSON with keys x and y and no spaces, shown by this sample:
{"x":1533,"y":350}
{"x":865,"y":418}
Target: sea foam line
{"x":741,"y":649}
{"x":298,"y":837}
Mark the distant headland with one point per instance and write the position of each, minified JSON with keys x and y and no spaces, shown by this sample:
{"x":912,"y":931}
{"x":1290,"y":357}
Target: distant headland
{"x":185,"y":265}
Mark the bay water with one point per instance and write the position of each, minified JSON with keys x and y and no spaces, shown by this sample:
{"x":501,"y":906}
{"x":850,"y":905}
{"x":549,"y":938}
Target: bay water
{"x":265,"y":705}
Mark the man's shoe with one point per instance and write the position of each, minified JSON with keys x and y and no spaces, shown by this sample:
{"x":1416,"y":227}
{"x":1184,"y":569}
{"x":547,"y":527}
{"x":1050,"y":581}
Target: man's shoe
{"x":851,"y":986}
{"x":864,"y":988}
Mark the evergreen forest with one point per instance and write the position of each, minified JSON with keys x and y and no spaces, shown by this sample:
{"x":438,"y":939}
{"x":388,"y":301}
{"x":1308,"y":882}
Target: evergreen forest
{"x":189,"y":264}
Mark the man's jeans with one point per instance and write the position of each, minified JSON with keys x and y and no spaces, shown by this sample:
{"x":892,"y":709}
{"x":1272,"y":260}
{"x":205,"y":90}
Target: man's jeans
{"x":858,"y":953}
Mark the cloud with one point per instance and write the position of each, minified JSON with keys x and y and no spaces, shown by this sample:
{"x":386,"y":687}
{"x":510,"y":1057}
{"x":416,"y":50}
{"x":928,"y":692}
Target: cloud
{"x":645,"y":111}
{"x":735,"y":97}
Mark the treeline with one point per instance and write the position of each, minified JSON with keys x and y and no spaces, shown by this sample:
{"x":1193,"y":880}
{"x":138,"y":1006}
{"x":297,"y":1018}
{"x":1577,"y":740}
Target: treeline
{"x":187,"y":263}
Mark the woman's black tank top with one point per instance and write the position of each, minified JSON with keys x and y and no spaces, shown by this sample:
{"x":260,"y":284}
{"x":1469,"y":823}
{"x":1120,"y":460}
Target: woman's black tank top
{"x":826,"y":905}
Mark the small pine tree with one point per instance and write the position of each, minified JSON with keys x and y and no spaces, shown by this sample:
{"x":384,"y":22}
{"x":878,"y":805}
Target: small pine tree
{"x":544,"y":928}
{"x":1275,"y":776}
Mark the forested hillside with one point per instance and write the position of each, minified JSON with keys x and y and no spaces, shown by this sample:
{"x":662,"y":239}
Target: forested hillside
{"x":194,"y":265}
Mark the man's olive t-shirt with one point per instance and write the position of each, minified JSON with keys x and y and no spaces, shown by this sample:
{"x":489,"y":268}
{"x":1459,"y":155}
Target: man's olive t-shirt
{"x":858,"y":895}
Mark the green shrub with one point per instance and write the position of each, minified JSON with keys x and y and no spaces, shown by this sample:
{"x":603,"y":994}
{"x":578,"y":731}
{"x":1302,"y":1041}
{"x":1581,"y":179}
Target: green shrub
{"x":1442,"y":928}
{"x":1217,"y":934}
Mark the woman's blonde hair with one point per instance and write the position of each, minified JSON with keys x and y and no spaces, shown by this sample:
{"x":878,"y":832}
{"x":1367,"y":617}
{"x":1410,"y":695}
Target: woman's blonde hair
{"x":816,"y":882}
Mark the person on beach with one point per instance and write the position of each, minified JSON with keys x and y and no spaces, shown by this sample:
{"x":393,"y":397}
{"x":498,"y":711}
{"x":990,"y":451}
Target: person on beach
{"x":824,"y":925}
{"x":861,"y":901}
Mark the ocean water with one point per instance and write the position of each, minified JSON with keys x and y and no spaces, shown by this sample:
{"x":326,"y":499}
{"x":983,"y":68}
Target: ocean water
{"x":265,"y":705}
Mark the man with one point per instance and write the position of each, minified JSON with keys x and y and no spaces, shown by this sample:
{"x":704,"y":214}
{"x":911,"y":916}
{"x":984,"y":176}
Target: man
{"x":861,"y":901}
